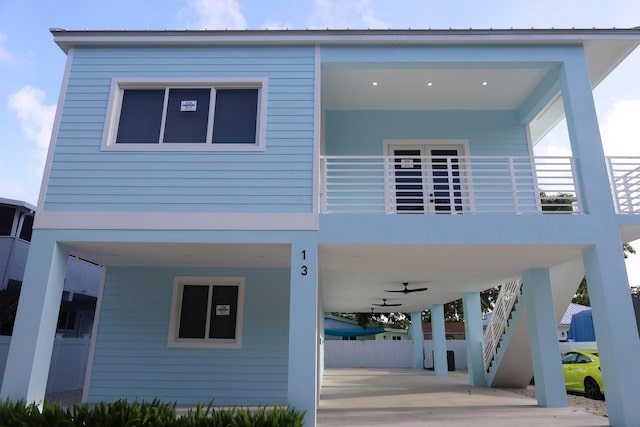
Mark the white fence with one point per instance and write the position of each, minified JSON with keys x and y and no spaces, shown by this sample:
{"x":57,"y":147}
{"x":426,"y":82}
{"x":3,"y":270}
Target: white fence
{"x":386,"y":354}
{"x":68,"y":362}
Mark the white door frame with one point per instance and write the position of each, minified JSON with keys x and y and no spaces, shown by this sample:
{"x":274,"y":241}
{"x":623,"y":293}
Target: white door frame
{"x":462,"y":145}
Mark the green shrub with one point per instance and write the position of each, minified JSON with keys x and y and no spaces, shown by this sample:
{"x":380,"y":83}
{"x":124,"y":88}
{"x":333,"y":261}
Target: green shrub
{"x":144,"y":414}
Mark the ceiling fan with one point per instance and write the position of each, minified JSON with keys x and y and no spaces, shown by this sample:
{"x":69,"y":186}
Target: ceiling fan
{"x":384,"y":304}
{"x":407,"y":290}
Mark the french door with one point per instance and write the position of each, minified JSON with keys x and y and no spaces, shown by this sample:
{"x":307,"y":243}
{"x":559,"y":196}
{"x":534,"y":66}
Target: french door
{"x":426,"y":178}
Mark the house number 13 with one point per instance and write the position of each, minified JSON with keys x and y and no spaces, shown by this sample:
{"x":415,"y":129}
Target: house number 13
{"x":304,"y":270}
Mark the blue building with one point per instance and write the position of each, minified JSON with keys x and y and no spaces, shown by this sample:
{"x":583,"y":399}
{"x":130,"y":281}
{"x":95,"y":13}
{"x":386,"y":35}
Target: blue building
{"x":235,"y":185}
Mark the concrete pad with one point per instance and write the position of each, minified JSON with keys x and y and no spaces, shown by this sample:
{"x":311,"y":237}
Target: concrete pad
{"x":407,"y":397}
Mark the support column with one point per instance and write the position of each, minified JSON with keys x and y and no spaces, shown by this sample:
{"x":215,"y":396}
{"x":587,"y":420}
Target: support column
{"x":27,"y":368}
{"x":473,"y":335}
{"x":584,"y":135}
{"x":417,"y":337}
{"x":439,"y":340}
{"x":543,"y":336}
{"x":615,"y":327}
{"x":303,"y":327}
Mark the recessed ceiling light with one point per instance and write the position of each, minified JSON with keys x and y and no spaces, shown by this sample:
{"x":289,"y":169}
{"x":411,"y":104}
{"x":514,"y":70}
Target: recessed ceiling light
{"x":485,"y":83}
{"x":374,"y":83}
{"x":429,"y":84}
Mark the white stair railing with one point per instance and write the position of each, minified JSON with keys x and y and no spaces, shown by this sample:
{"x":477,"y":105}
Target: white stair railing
{"x":497,"y":325}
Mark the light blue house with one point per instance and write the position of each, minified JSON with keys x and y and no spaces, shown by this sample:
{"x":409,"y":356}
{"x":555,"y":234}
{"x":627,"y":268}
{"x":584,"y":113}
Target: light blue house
{"x":238,"y":184}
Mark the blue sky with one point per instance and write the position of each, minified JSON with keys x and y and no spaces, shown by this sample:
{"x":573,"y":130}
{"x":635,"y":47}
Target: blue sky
{"x":31,"y":65}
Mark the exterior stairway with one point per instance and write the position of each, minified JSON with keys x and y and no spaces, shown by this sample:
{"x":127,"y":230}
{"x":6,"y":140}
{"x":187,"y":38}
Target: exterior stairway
{"x":509,"y":365}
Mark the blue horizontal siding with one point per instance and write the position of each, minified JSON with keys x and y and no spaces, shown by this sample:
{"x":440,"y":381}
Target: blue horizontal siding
{"x":132,"y":359}
{"x":84,"y":178}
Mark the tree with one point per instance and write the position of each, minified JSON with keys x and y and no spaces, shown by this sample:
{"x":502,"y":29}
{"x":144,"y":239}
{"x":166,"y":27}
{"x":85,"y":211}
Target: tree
{"x":560,"y":202}
{"x":582,"y":294}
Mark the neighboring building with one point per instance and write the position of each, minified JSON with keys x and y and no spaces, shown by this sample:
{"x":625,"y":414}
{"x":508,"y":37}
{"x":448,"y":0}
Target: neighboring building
{"x":394,"y":335}
{"x":636,"y":307}
{"x":339,"y":328}
{"x":565,"y":322}
{"x":453,"y":330}
{"x":81,"y":283}
{"x":235,"y":185}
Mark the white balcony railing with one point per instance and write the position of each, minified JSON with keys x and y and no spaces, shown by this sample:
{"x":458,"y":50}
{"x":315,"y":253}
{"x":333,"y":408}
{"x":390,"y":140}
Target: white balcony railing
{"x":624,"y":175}
{"x":448,"y":185}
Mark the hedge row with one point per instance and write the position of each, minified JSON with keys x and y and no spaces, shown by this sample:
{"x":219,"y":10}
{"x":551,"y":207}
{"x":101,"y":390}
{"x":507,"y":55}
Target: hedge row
{"x":143,"y":414}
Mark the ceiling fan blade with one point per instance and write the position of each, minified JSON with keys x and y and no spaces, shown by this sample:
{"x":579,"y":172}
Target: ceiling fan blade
{"x":387,"y":305}
{"x":402,"y":291}
{"x":408,"y":291}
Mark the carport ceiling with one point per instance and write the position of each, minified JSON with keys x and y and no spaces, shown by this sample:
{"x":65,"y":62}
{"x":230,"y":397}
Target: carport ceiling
{"x":353,"y":277}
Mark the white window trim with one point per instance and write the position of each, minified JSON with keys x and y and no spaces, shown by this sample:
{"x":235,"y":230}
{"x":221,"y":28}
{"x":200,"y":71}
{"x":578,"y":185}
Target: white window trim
{"x":176,"y":304}
{"x":118,"y":85}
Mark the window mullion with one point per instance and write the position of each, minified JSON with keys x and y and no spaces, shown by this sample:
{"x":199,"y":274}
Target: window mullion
{"x":212,"y":107}
{"x":209,"y":307}
{"x":164,"y":114}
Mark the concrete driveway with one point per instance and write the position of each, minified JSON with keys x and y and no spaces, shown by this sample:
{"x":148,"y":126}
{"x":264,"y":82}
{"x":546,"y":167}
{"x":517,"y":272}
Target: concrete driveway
{"x":405,"y":397}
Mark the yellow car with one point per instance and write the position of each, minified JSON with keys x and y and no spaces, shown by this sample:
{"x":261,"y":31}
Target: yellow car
{"x":582,"y":373}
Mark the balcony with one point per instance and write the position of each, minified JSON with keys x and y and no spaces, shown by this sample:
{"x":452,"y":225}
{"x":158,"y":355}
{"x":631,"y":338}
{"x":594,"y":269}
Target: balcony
{"x":450,"y":185}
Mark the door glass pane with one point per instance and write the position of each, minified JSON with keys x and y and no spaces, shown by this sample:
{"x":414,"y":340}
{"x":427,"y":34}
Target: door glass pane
{"x":140,"y":116}
{"x":223,"y":312}
{"x":187,"y":116}
{"x":447,"y":190}
{"x":408,"y":181}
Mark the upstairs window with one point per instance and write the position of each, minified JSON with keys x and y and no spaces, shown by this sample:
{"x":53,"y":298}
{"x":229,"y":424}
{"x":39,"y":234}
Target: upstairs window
{"x":206,"y":312}
{"x":180,"y":117}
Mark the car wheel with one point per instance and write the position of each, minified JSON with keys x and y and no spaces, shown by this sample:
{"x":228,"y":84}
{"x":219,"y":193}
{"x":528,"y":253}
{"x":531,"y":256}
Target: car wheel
{"x":591,"y":389}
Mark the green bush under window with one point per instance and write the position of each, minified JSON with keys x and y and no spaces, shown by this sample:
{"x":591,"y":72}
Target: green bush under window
{"x":144,"y":414}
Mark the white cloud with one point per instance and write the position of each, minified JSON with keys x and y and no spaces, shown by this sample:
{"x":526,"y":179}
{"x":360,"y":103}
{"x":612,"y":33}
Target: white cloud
{"x":620,"y":127}
{"x":6,"y":56}
{"x":340,"y":14}
{"x":36,"y":121}
{"x":214,"y":15}
{"x":555,"y":143}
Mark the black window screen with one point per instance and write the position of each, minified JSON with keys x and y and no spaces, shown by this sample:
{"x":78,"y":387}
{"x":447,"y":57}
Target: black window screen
{"x":223,"y":312}
{"x":235,"y":116}
{"x":140,"y":116}
{"x":193,"y":313}
{"x":6,"y":220}
{"x":187,"y":116}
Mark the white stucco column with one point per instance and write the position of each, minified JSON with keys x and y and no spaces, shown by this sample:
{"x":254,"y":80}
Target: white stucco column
{"x":473,"y":335}
{"x":27,"y":368}
{"x":302,"y":392}
{"x":417,"y":338}
{"x":543,"y":336}
{"x":615,"y":326}
{"x":613,"y":318}
{"x":439,"y":340}
{"x":584,"y":135}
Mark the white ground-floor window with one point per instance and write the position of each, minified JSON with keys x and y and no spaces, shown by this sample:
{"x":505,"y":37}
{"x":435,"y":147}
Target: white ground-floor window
{"x":207,"y":312}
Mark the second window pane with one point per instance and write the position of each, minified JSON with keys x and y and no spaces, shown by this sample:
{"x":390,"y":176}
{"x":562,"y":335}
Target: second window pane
{"x":187,"y":116}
